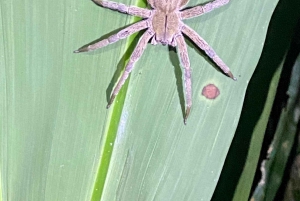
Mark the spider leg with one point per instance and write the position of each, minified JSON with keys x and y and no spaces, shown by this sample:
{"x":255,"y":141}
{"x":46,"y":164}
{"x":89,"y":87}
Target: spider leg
{"x":131,"y":10}
{"x":114,"y":38}
{"x":201,"y":43}
{"x":137,"y":53}
{"x":199,"y":10}
{"x":187,"y":73}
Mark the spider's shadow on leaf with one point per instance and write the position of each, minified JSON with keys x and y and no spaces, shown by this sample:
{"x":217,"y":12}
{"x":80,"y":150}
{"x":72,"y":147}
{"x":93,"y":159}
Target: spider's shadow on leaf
{"x":121,"y":65}
{"x":178,"y":74}
{"x":173,"y":58}
{"x":124,"y":58}
{"x":105,"y":36}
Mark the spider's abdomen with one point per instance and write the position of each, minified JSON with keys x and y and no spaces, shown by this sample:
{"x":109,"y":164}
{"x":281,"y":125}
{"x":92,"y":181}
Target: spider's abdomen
{"x":165,"y":26}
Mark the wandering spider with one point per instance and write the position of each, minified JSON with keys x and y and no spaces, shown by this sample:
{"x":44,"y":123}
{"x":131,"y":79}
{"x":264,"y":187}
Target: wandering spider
{"x":164,"y":25}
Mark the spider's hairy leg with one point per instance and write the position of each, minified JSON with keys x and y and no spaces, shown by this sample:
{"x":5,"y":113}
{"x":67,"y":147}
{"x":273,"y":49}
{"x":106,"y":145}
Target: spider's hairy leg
{"x":137,"y":53}
{"x":199,"y":10}
{"x":114,"y":38}
{"x":131,"y":10}
{"x":202,"y":44}
{"x":187,"y":73}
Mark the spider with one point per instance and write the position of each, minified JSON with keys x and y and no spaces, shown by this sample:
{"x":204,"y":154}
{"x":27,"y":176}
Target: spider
{"x":163,"y":25}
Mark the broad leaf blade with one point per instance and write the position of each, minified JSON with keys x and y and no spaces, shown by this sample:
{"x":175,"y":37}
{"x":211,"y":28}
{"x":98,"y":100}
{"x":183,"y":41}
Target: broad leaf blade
{"x":55,"y":124}
{"x":155,"y":155}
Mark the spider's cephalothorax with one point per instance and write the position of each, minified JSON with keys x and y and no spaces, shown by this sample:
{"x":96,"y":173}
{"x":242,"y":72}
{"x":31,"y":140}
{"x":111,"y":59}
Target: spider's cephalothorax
{"x":166,"y":21}
{"x":164,"y":26}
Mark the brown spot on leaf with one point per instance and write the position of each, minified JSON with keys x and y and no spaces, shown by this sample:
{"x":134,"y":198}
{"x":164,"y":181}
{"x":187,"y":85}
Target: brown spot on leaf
{"x":210,"y":91}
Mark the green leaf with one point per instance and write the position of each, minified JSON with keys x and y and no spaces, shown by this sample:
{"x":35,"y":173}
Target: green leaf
{"x":56,"y":133}
{"x":282,"y":143}
{"x":242,"y":159}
